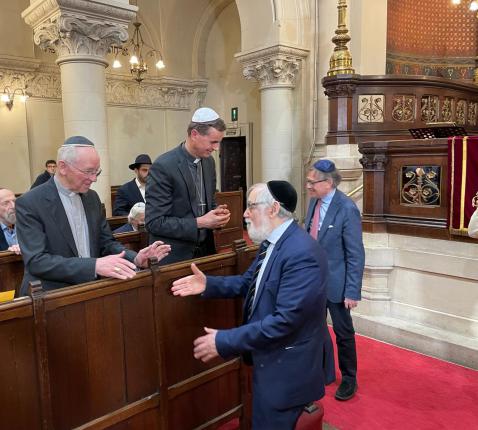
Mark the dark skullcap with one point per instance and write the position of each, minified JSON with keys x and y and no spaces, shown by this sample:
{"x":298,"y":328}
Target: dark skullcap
{"x":325,"y":166}
{"x":78,"y":141}
{"x":284,"y":193}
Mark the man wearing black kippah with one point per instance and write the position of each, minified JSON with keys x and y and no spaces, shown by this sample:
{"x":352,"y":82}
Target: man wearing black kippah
{"x":284,"y":325}
{"x":334,"y":221}
{"x":62,"y":232}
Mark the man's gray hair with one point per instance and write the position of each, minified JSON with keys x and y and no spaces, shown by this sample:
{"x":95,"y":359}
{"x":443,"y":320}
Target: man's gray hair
{"x":136,"y":210}
{"x":264,"y":195}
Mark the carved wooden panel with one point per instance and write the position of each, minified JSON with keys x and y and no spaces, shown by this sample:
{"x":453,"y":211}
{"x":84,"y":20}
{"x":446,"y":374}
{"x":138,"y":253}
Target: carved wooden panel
{"x":429,"y":110}
{"x":403,"y":108}
{"x":370,"y":108}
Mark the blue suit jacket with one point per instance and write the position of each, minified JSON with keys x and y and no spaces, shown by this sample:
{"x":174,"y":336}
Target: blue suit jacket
{"x":125,"y":228}
{"x":286,"y":332}
{"x":341,"y":237}
{"x":126,"y":197}
{"x":3,"y":241}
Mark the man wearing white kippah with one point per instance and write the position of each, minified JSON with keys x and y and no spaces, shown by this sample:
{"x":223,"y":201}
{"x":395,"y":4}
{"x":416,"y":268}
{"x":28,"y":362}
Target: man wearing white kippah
{"x":180,"y":205}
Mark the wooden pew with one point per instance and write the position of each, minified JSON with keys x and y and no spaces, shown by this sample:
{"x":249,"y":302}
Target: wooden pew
{"x":224,"y":237}
{"x":118,"y":354}
{"x":11,"y":265}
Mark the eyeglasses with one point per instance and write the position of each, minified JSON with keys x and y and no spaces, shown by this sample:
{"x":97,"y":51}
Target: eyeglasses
{"x":88,"y":173}
{"x":309,"y":183}
{"x":252,"y":205}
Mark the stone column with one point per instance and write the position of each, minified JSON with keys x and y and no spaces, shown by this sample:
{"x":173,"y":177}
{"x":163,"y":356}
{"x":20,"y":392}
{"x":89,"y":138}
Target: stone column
{"x":276,"y":69}
{"x":81,"y":33}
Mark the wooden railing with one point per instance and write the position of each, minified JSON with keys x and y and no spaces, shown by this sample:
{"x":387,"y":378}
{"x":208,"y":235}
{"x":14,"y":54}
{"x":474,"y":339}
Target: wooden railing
{"x":114,"y":354}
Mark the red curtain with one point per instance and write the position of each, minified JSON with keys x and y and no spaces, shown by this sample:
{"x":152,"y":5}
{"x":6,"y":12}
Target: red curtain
{"x":462,"y":181}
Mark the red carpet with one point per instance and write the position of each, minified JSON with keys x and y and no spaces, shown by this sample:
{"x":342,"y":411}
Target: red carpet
{"x":401,"y":390}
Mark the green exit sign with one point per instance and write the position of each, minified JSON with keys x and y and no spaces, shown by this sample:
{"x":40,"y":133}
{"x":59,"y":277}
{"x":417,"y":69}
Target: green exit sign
{"x":234,"y":114}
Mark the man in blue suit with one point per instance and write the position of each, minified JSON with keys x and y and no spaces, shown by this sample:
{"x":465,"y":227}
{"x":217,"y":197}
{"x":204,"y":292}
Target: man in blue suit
{"x":284,"y":310}
{"x":334,"y":221}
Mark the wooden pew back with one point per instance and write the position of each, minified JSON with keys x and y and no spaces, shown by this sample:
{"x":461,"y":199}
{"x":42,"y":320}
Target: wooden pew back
{"x":118,"y":354}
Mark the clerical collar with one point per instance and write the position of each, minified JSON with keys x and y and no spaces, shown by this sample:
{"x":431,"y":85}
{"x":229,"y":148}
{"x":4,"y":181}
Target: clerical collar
{"x":191,"y":158}
{"x":61,"y":189}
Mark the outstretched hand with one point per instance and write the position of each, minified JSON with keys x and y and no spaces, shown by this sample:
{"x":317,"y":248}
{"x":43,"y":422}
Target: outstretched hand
{"x":157,"y":249}
{"x":190,"y":285}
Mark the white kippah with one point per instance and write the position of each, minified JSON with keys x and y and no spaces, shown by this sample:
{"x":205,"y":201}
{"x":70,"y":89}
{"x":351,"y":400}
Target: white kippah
{"x":204,"y":114}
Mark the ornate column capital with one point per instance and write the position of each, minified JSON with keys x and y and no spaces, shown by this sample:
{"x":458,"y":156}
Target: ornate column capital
{"x":273,"y":67}
{"x":79,"y":30}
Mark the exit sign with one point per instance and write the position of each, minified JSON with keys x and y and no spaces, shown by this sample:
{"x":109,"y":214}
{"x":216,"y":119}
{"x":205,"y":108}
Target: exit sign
{"x":234,"y":114}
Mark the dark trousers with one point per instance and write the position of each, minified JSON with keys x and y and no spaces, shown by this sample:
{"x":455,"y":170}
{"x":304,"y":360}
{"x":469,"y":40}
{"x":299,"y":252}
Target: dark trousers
{"x":266,"y":417}
{"x":345,"y":339}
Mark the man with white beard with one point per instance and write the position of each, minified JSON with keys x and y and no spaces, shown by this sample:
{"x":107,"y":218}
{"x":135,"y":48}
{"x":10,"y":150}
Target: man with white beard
{"x":8,"y":218}
{"x":284,"y":325}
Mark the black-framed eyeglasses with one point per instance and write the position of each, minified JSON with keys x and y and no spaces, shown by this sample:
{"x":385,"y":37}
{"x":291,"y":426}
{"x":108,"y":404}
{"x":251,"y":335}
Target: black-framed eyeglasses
{"x":252,"y":205}
{"x":88,"y":173}
{"x":309,"y":183}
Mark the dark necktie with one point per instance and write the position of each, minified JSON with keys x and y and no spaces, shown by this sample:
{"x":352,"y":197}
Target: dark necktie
{"x":252,"y":289}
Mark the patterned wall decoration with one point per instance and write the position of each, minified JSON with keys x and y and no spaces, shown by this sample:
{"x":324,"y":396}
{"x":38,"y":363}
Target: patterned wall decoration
{"x":420,"y":185}
{"x":431,"y":37}
{"x":403,"y":108}
{"x":370,"y":108}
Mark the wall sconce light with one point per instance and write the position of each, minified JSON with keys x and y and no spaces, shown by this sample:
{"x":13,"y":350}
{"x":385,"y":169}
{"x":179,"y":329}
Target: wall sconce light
{"x":8,"y":96}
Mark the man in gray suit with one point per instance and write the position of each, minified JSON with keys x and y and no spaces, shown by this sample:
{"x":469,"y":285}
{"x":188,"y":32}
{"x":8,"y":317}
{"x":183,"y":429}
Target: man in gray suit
{"x":63,"y":234}
{"x":334,"y":221}
{"x":180,"y":205}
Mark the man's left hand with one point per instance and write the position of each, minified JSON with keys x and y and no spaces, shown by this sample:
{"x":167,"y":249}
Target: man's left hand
{"x":350,"y":304}
{"x":15,"y":249}
{"x":157,"y":249}
{"x":205,"y":346}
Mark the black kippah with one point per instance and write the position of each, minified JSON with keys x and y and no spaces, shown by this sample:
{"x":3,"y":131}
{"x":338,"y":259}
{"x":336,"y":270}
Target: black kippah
{"x":284,"y":193}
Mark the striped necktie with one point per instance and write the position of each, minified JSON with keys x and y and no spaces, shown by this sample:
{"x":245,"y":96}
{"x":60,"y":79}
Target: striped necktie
{"x":252,"y":289}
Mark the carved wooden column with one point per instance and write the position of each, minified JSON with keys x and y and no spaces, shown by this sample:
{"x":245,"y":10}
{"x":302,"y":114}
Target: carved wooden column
{"x":81,"y":33}
{"x":276,"y":69}
{"x":374,"y":189}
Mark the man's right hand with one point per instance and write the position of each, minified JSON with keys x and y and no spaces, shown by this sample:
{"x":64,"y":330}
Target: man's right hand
{"x":215,"y":218}
{"x":115,"y":266}
{"x":190,"y":285}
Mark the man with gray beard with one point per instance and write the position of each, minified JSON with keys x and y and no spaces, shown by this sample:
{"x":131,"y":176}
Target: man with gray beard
{"x":8,"y":233}
{"x":284,"y":325}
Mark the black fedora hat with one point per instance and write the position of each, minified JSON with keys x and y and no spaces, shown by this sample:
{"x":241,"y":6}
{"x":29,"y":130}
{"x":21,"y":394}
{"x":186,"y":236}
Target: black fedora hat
{"x":140,"y":159}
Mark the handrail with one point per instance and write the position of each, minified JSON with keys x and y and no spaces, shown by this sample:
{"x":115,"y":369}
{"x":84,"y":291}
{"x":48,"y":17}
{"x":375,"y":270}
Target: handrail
{"x":355,"y":190}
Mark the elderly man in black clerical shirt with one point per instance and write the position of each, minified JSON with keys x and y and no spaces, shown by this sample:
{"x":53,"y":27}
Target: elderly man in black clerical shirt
{"x":63,"y":234}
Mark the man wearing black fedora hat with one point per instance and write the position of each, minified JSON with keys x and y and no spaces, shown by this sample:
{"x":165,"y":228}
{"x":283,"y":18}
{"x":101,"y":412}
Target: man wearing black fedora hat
{"x":133,"y":191}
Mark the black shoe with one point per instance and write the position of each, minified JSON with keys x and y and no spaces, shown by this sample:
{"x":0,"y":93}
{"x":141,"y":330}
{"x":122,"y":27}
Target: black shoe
{"x":346,"y":390}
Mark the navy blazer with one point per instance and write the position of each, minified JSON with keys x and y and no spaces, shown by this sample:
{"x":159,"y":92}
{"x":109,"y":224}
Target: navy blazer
{"x":341,"y":237}
{"x":125,"y":228}
{"x":171,"y":205}
{"x":287,"y":329}
{"x":126,"y":197}
{"x":41,"y":179}
{"x":3,"y":241}
{"x":45,"y":238}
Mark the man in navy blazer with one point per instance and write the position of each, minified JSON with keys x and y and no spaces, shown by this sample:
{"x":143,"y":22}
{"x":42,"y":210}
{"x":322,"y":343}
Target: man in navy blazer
{"x":284,"y":310}
{"x":8,"y":233}
{"x":133,"y":191}
{"x":334,"y":221}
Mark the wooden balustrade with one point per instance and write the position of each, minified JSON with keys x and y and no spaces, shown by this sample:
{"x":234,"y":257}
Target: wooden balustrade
{"x":118,"y":354}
